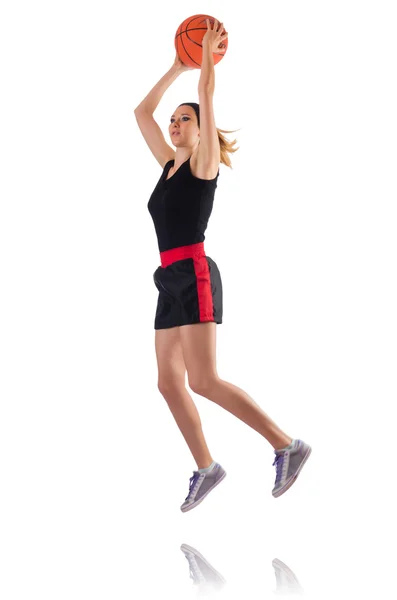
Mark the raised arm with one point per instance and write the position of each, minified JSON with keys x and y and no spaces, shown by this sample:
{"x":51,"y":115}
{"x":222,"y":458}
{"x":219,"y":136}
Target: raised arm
{"x":209,"y":153}
{"x":144,"y":115}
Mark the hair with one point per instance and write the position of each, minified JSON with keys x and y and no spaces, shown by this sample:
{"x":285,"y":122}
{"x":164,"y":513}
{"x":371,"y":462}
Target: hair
{"x":227,"y":147}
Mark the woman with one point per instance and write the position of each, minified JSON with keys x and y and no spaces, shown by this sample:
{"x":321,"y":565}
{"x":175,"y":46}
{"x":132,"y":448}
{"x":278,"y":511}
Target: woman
{"x":189,"y":282}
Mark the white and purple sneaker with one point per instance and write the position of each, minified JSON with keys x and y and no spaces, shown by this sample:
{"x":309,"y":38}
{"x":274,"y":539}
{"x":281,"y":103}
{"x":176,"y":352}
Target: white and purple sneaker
{"x":289,"y":463}
{"x":200,"y":485}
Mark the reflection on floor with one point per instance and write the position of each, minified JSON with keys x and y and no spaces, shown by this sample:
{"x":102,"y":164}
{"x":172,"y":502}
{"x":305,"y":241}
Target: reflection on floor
{"x":208,"y":580}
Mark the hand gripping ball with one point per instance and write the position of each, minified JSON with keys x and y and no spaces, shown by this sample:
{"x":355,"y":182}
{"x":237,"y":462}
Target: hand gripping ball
{"x":189,"y":37}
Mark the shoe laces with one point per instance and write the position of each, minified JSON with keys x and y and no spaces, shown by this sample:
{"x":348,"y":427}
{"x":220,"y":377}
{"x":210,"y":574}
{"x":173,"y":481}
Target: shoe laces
{"x":192,"y":482}
{"x":279,"y":462}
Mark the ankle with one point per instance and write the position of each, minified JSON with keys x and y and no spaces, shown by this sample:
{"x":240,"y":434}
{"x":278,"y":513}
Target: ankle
{"x":284,"y":444}
{"x":205,"y":464}
{"x":207,"y":469}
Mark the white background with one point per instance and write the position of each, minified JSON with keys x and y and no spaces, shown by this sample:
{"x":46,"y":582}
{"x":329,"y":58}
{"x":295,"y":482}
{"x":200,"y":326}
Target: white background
{"x":93,"y":468}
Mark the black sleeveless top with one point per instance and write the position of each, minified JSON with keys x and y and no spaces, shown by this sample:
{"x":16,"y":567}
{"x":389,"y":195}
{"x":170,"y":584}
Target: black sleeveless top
{"x":181,"y":207}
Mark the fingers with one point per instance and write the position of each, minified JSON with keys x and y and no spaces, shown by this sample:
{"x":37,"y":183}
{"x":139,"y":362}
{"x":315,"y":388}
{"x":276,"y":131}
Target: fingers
{"x":218,"y":27}
{"x":222,"y":31}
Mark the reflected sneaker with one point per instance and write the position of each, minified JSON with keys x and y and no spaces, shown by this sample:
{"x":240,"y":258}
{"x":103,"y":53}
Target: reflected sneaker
{"x":200,"y":484}
{"x":201,"y":571}
{"x":289,"y":463}
{"x":286,"y":580}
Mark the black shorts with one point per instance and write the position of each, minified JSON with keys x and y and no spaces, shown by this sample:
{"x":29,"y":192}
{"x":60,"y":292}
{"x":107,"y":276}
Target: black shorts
{"x":190,"y":288}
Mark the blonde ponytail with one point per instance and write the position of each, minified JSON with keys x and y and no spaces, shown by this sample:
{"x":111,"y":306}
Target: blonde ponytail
{"x":226,"y":146}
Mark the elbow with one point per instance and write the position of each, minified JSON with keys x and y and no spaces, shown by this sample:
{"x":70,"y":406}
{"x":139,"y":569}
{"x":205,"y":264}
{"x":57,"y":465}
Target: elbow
{"x":140,"y":108}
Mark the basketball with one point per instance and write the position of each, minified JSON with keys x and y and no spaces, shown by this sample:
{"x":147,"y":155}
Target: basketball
{"x":189,"y":37}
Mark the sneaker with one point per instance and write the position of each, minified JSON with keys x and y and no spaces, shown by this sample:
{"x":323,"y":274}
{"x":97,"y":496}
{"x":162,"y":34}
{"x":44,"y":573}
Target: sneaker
{"x":200,"y":484}
{"x":289,"y":464}
{"x":201,"y":571}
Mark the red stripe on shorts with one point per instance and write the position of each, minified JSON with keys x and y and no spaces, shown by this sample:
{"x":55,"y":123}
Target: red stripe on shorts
{"x":201,"y":269}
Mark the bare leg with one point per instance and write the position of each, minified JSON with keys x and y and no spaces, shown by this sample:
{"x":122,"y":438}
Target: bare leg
{"x":188,"y":420}
{"x":171,"y":383}
{"x":239,"y":403}
{"x":199,"y":351}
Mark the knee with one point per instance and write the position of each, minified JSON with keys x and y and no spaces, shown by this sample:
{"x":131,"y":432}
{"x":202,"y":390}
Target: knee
{"x":203,"y":385}
{"x":169,"y":387}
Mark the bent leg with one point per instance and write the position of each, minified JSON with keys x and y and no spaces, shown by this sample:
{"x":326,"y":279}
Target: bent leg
{"x":171,"y":383}
{"x":199,"y":350}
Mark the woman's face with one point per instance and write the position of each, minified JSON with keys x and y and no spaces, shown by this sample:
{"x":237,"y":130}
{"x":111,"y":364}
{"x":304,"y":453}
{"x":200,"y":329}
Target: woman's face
{"x":183,"y":127}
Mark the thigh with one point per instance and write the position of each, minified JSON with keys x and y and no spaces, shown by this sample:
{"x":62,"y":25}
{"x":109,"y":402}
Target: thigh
{"x":199,"y":351}
{"x":170,"y":360}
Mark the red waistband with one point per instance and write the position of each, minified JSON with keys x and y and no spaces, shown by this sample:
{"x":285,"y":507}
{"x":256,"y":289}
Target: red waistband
{"x":193,"y":250}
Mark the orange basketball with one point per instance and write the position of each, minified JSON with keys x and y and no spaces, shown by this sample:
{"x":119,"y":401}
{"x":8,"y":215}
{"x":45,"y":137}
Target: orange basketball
{"x":189,"y":37}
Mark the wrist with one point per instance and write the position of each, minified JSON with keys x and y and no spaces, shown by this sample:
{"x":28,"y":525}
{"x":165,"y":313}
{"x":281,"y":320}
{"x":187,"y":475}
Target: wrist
{"x":176,"y":70}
